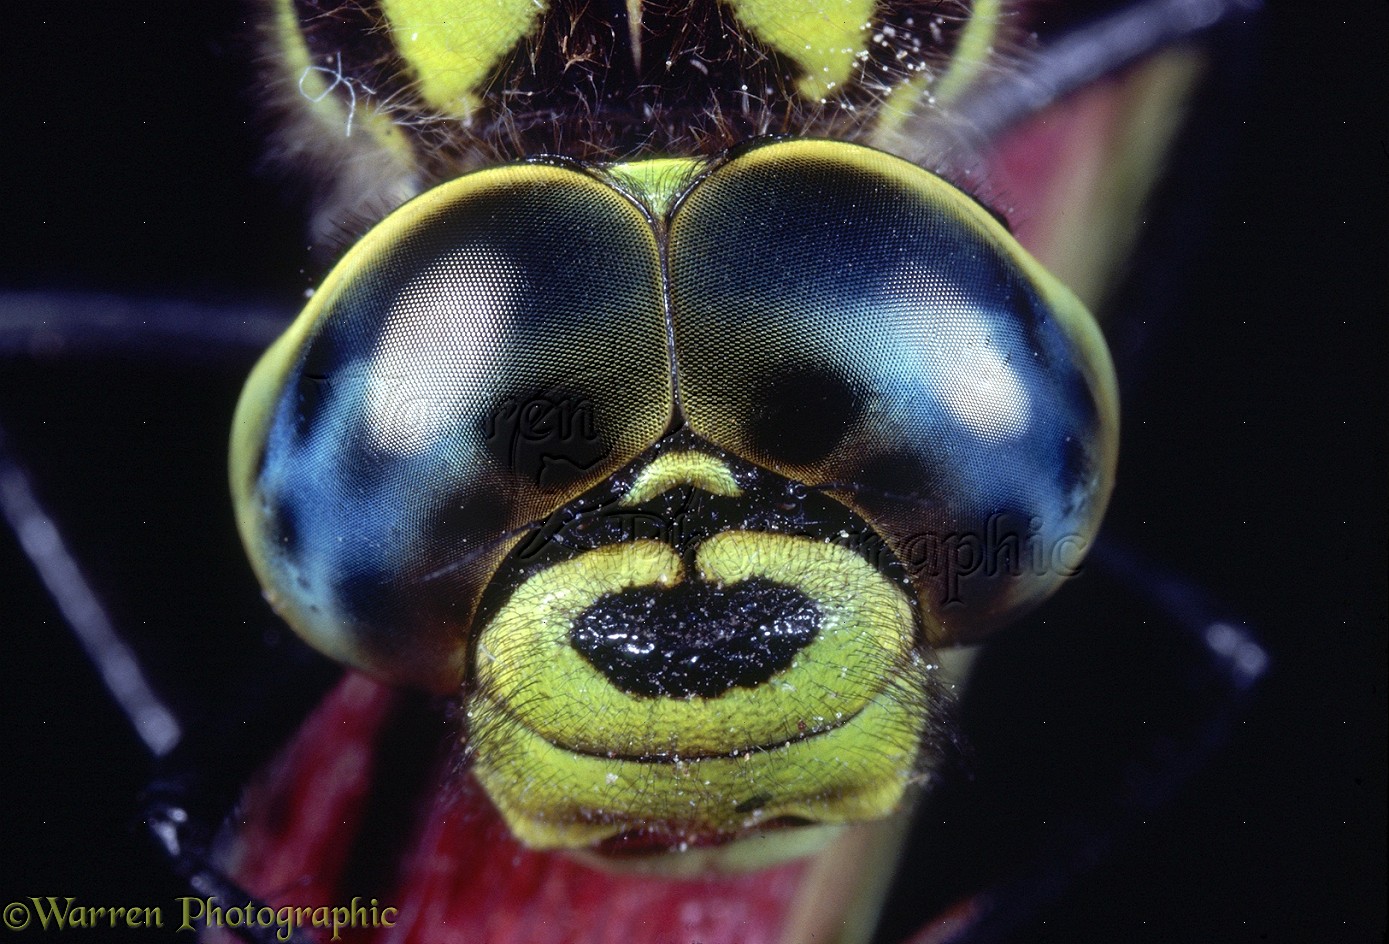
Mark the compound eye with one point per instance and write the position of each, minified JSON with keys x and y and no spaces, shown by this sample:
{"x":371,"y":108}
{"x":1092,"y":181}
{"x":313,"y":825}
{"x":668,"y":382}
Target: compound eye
{"x":854,"y":322}
{"x":489,"y":352}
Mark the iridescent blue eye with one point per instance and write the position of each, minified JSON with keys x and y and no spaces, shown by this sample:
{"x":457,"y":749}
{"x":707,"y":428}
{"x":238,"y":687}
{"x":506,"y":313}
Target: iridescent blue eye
{"x":489,"y":352}
{"x":858,"y":324}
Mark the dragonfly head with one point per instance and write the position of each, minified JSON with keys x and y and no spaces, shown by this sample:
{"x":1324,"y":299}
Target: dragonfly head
{"x":677,"y":475}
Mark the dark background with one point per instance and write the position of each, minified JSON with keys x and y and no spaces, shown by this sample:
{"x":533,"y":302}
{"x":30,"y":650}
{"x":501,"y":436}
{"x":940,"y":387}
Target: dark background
{"x":1253,"y":457}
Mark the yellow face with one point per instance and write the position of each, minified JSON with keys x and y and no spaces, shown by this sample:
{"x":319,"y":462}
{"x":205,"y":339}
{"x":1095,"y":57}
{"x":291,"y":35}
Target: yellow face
{"x":675,"y":470}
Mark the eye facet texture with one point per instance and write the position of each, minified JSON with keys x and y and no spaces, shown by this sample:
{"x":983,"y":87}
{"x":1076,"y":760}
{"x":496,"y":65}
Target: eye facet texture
{"x":855,"y":323}
{"x":491,"y":351}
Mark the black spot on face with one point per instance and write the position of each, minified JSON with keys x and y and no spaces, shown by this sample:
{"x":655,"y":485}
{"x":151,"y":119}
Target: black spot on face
{"x":802,"y":414}
{"x":695,"y":638}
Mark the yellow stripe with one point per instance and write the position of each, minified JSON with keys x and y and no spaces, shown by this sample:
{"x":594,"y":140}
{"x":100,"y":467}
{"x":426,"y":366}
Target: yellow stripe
{"x":973,"y":52}
{"x":674,"y":469}
{"x":972,"y":55}
{"x":556,"y":799}
{"x":825,"y":37}
{"x":655,"y":183}
{"x":454,"y":47}
{"x":339,"y":115}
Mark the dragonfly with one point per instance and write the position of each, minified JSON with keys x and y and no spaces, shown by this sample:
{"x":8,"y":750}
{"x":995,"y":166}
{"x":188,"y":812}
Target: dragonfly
{"x":993,"y":106}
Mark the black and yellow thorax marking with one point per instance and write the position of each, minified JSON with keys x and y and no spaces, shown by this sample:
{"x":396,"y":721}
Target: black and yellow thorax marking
{"x":445,"y":86}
